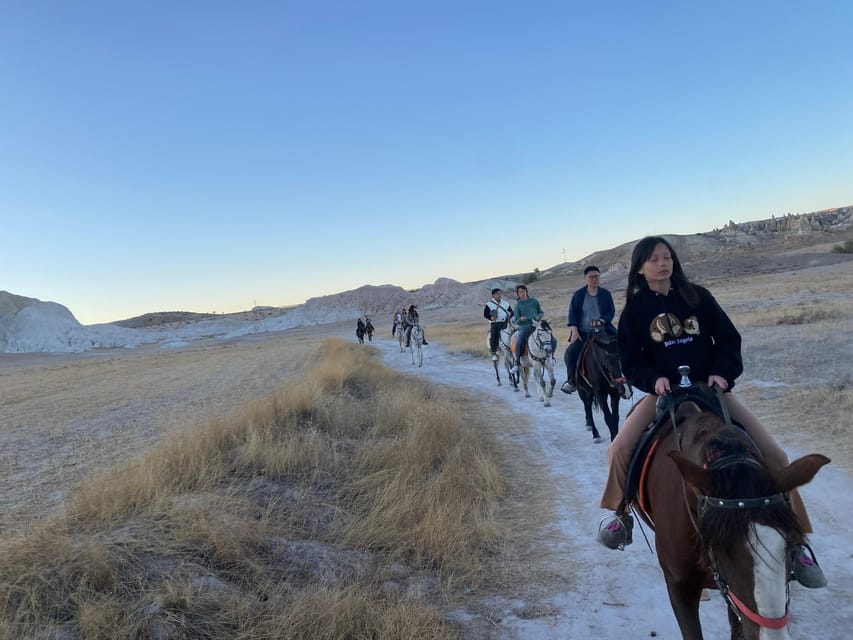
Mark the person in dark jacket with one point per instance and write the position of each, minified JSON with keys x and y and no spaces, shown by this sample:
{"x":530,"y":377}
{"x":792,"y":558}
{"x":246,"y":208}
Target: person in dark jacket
{"x":412,"y":318}
{"x":591,"y":308}
{"x":498,"y":313}
{"x":667,"y":322}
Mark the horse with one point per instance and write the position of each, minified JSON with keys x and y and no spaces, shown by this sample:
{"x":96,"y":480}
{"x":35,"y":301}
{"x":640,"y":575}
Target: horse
{"x":416,"y":343}
{"x":539,"y":357}
{"x":359,"y":331}
{"x":504,"y":353}
{"x":368,"y":330}
{"x":600,"y":379}
{"x":722,"y":520}
{"x":400,"y":334}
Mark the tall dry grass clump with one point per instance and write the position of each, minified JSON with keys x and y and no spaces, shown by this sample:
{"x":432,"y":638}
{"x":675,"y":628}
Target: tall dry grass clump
{"x":348,"y":505}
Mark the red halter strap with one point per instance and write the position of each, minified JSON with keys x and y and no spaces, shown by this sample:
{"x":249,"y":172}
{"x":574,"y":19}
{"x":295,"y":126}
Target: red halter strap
{"x":761,"y":621}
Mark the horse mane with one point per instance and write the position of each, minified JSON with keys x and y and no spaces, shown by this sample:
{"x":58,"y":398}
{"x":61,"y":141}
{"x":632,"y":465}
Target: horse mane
{"x":744,"y":475}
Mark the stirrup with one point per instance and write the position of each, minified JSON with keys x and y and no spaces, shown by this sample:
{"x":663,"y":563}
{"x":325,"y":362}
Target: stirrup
{"x":617,"y":532}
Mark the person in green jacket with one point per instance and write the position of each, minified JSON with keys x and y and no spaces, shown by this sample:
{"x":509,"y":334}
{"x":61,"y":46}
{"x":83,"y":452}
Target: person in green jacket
{"x":527,"y":310}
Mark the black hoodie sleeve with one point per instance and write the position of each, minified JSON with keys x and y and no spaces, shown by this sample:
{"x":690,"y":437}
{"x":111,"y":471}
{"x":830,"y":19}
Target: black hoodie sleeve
{"x":631,"y":353}
{"x":728,"y":361}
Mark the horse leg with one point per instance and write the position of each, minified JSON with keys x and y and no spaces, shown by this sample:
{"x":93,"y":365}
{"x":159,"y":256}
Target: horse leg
{"x":586,"y":398}
{"x":684,"y":598}
{"x":539,"y":378}
{"x":525,"y":378}
{"x":613,"y":419}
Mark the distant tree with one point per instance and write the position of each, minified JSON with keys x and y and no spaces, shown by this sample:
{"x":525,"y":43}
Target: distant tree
{"x":846,"y":247}
{"x":533,"y":276}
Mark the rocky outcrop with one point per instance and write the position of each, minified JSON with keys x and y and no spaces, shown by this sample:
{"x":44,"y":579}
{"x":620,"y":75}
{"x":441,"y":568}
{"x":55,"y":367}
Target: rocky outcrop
{"x":798,"y":223}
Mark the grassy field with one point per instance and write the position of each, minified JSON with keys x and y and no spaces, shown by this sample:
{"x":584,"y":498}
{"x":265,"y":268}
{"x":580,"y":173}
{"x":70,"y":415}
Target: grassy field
{"x":356,"y":503}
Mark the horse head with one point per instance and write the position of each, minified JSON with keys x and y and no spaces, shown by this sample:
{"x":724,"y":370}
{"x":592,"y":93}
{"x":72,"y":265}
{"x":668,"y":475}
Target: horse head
{"x":743,"y":517}
{"x":543,"y":337}
{"x":610,"y":363}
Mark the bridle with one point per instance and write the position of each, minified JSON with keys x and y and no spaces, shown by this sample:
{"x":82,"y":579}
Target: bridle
{"x":709,"y":503}
{"x":542,"y":345}
{"x":612,"y":380}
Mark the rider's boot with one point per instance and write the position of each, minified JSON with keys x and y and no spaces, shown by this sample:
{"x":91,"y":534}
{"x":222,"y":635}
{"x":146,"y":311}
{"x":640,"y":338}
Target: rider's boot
{"x":805,"y":569}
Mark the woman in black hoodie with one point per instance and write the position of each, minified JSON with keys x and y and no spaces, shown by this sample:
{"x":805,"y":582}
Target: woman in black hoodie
{"x":667,"y":322}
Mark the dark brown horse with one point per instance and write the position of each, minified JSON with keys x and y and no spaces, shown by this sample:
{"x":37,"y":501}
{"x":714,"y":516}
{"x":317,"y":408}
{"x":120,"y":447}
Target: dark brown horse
{"x":601,"y":383}
{"x":722,"y":520}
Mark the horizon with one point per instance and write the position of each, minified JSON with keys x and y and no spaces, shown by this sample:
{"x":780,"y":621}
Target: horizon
{"x":205,"y":158}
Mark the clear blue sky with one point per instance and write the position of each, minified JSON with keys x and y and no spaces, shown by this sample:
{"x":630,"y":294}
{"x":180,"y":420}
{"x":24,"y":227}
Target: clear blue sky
{"x":209,"y":156}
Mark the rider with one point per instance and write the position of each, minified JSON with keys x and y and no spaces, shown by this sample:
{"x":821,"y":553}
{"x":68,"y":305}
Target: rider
{"x":498,"y":313}
{"x":667,"y":322}
{"x":399,"y":315}
{"x":527,"y":309}
{"x":412,"y":318}
{"x":591,"y":308}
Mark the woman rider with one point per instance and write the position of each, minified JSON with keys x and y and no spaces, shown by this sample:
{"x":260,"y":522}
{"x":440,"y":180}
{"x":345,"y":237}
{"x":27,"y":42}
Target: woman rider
{"x":527,"y":310}
{"x":667,"y":322}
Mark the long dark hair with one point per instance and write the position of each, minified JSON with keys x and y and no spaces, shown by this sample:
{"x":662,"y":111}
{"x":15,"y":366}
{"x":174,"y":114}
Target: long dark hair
{"x":642,"y":252}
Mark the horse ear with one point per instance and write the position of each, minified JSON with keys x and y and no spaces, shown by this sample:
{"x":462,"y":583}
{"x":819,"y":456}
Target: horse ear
{"x":799,"y":472}
{"x":693,"y":474}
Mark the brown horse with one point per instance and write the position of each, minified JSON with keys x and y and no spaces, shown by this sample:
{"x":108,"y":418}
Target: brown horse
{"x":722,"y":520}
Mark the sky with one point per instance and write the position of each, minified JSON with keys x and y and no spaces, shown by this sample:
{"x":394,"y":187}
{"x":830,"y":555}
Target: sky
{"x":213,"y":156}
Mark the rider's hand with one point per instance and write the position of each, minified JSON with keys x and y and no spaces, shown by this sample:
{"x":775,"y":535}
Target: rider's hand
{"x":662,"y":386}
{"x":719,"y":381}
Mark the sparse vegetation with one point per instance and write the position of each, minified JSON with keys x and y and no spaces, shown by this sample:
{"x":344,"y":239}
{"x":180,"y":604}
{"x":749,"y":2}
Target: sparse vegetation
{"x":347,"y":506}
{"x":845,"y":247}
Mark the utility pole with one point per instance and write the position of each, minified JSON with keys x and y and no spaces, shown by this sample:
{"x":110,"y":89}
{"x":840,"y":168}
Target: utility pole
{"x":564,"y":254}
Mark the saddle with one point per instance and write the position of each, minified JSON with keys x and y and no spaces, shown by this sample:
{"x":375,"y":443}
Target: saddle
{"x":601,"y":337}
{"x":700,"y":394}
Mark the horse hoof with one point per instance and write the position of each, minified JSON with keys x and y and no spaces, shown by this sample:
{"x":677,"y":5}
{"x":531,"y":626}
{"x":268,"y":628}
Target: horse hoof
{"x":598,"y":439}
{"x":526,"y":395}
{"x":516,"y":389}
{"x":499,"y":383}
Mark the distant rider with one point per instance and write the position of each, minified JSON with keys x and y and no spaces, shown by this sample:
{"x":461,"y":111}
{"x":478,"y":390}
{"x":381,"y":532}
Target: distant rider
{"x":527,"y":310}
{"x":498,"y":313}
{"x":591,"y":308}
{"x":412,"y":318}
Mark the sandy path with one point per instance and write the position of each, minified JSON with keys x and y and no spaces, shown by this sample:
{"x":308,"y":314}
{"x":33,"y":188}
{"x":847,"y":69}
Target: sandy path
{"x":622,"y":594}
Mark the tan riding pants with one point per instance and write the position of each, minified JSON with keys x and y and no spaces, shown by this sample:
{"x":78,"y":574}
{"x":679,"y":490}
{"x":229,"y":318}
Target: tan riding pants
{"x":643,"y":413}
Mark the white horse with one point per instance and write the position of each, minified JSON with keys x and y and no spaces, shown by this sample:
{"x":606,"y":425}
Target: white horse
{"x":539,"y":357}
{"x":416,"y":344}
{"x":400,"y":334}
{"x":504,"y":353}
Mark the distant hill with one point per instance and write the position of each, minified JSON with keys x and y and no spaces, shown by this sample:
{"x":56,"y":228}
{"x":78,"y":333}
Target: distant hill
{"x":790,"y":234}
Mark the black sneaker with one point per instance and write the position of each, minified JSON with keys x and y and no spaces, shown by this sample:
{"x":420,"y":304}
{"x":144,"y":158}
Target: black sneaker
{"x":568,"y":387}
{"x":616,"y":534}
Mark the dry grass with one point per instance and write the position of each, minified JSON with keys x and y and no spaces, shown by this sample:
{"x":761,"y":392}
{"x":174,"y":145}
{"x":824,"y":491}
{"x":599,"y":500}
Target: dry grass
{"x":350,"y":505}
